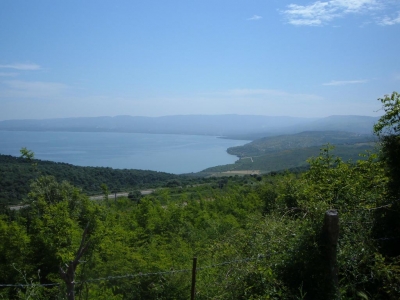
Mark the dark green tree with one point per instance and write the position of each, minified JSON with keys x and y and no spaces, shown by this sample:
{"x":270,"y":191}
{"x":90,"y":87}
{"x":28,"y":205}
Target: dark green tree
{"x":135,"y":195}
{"x":104,"y":189}
{"x":388,"y":130}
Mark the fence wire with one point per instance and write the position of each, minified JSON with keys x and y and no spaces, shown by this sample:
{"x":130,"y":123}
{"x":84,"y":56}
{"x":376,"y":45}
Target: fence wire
{"x":242,"y":260}
{"x":140,"y":274}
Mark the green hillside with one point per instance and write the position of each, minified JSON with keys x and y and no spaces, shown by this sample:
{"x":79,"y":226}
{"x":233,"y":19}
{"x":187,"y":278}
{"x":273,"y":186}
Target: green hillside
{"x":264,"y":155}
{"x":254,"y":237}
{"x":289,"y":159}
{"x":291,"y":151}
{"x":330,"y":232}
{"x":17,"y":173}
{"x":299,"y":140}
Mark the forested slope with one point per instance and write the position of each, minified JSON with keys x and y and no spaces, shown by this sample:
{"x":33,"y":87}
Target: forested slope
{"x":254,"y":237}
{"x":16,"y":174}
{"x":300,"y":140}
{"x":290,"y":159}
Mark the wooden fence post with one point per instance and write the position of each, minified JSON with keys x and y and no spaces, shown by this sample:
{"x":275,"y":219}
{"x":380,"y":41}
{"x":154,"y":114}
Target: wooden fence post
{"x":331,"y":236}
{"x":193,"y":292}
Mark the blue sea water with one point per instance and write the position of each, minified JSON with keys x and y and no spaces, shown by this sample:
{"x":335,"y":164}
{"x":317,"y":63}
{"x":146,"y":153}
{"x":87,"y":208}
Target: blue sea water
{"x":158,"y":152}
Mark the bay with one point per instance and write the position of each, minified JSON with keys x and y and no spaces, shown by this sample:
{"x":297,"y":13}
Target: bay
{"x":170,"y":153}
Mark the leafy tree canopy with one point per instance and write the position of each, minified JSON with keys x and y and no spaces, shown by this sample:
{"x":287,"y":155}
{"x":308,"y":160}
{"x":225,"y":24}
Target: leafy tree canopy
{"x":390,"y":121}
{"x":28,"y":154}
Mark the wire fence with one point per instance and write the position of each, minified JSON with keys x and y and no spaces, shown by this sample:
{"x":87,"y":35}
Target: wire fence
{"x":140,"y":274}
{"x":194,"y":269}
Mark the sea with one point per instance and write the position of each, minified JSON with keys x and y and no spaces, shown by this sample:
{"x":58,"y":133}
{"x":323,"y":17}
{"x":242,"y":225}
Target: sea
{"x":170,"y":153}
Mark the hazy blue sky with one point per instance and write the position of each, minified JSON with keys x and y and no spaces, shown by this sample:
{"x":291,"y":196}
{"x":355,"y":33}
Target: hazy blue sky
{"x":151,"y":58}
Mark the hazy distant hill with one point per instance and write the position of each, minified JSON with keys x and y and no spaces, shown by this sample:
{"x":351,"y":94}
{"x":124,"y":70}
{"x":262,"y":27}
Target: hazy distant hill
{"x":359,"y":124}
{"x":238,"y":126}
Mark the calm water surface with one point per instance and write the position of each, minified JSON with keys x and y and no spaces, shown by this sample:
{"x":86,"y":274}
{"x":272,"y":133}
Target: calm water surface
{"x":159,"y":152}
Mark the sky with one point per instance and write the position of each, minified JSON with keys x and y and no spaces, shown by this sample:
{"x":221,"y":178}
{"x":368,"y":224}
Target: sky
{"x":300,"y":58}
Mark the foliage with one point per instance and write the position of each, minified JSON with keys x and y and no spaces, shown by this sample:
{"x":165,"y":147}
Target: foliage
{"x":388,"y":129}
{"x":299,"y":140}
{"x":290,"y":159}
{"x":105,"y":191}
{"x":135,"y":195}
{"x":17,"y":173}
{"x":389,"y":123}
{"x":27,"y":154}
{"x":255,"y":237}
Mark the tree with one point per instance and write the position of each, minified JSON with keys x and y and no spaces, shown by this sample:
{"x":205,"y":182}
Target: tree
{"x":68,"y":275}
{"x":173,"y":183}
{"x":105,"y":191}
{"x":135,"y":196}
{"x":390,"y":121}
{"x":54,"y":220}
{"x":388,"y":130}
{"x":27,"y":154}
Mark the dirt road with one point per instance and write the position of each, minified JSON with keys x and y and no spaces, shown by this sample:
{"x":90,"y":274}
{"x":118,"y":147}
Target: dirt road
{"x":96,"y":197}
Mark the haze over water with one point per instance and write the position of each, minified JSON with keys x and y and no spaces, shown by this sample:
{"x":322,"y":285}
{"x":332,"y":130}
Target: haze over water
{"x":158,"y":152}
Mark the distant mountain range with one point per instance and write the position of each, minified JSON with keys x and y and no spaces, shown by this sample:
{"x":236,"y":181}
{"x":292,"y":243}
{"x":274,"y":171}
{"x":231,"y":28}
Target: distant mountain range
{"x":233,"y":126}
